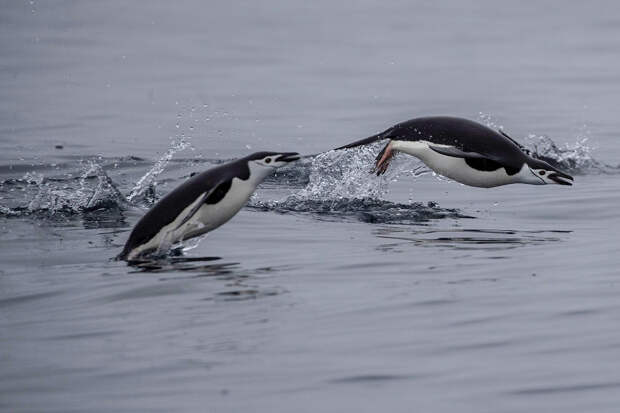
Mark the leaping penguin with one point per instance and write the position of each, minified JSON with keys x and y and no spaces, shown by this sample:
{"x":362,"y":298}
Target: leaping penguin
{"x":464,"y":151}
{"x":202,"y":203}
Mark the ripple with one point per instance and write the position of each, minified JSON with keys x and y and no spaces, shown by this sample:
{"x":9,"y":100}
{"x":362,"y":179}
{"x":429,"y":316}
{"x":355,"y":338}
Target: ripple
{"x":243,"y":294}
{"x":26,"y":298}
{"x":572,"y":388}
{"x":468,"y":239}
{"x":148,"y":292}
{"x":372,"y":378}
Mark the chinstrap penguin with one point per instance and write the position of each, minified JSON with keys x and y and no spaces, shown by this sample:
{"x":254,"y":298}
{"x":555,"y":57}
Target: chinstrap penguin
{"x":464,"y":151}
{"x":202,"y":203}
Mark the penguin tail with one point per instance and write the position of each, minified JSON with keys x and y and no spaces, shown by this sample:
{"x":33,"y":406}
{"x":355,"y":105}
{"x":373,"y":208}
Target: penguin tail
{"x":366,"y":141}
{"x":124,"y":253}
{"x":372,"y":139}
{"x":122,"y":256}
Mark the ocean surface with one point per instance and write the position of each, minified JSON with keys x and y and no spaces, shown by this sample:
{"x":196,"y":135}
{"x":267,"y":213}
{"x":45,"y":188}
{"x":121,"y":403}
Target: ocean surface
{"x":333,"y":290}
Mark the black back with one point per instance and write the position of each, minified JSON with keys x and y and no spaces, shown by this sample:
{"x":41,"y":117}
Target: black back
{"x":170,"y":206}
{"x":464,"y":134}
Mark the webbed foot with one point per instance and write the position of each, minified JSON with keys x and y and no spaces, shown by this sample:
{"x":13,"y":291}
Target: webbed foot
{"x":383,"y":159}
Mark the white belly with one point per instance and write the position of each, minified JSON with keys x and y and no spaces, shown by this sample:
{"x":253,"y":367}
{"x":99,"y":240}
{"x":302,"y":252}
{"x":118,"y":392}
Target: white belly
{"x":211,"y":216}
{"x":452,"y":167}
{"x":207,"y":218}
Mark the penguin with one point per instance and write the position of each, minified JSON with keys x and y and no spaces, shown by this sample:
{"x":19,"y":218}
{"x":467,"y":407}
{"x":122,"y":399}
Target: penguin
{"x":202,"y":203}
{"x":465,"y":151}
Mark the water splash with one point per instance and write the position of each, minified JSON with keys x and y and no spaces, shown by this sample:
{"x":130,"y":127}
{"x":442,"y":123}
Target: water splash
{"x":91,"y":190}
{"x":488,"y":120}
{"x":343,"y":174}
{"x":190,"y":244}
{"x":296,"y":175}
{"x":574,"y":158}
{"x":347,"y":174}
{"x":340,"y":186}
{"x":144,"y":189}
{"x":94,"y":191}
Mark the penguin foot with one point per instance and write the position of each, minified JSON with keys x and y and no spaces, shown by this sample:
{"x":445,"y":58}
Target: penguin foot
{"x":383,"y":160}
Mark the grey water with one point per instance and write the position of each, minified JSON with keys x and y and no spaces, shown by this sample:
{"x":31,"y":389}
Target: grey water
{"x":334,"y":290}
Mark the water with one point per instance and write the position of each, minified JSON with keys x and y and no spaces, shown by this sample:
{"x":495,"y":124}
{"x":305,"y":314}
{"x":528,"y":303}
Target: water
{"x":334,"y":289}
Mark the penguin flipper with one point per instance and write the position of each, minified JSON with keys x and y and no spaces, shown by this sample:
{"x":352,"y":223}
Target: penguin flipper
{"x":212,"y":196}
{"x":457,"y":153}
{"x":481,"y":162}
{"x":194,"y":209}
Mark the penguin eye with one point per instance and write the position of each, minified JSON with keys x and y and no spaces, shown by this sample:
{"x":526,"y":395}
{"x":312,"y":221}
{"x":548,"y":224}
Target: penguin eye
{"x":542,"y":173}
{"x":268,"y":160}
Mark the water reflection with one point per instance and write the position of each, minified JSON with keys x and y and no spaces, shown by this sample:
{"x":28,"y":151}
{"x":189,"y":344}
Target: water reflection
{"x":181,"y":263}
{"x":235,"y":282}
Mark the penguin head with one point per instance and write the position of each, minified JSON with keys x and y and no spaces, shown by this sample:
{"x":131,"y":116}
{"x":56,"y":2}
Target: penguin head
{"x":544,"y":173}
{"x":272,"y":160}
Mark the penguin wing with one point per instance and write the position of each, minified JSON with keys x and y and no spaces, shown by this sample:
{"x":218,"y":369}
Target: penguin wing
{"x":482,"y":162}
{"x":457,"y":153}
{"x":212,"y":196}
{"x":477,"y":155}
{"x":194,"y":209}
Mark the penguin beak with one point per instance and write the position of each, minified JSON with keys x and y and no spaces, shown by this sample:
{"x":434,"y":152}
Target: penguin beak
{"x":288,"y":157}
{"x":561,"y":178}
